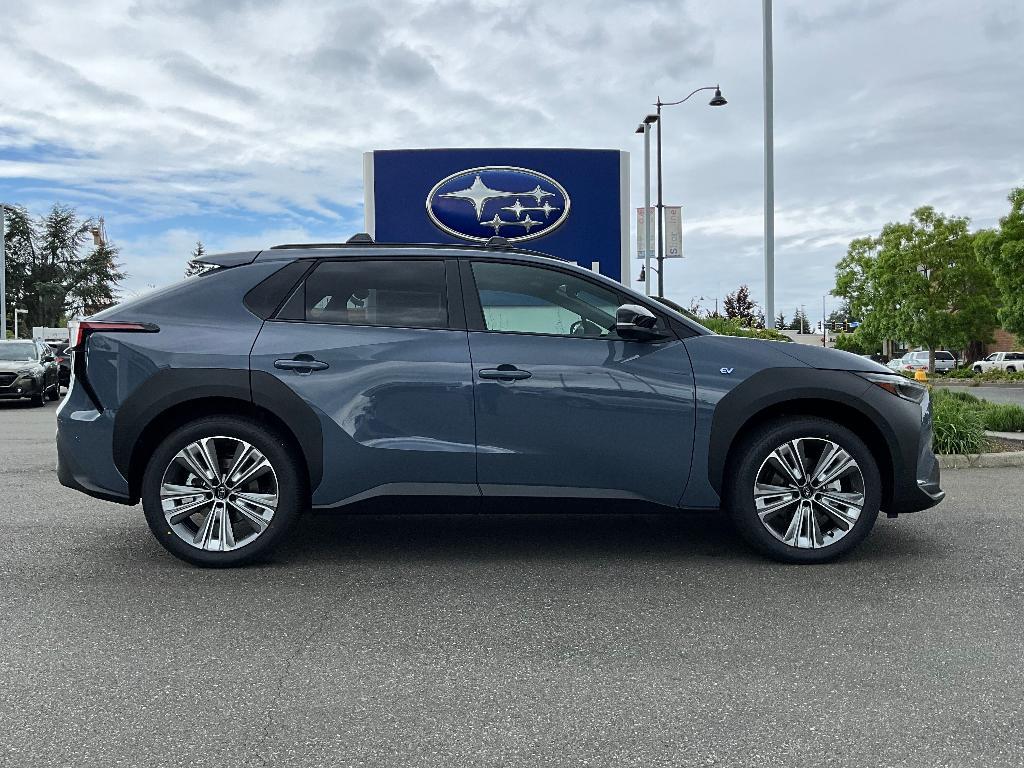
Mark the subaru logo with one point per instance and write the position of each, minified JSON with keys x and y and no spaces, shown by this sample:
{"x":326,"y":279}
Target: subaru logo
{"x":514,"y":203}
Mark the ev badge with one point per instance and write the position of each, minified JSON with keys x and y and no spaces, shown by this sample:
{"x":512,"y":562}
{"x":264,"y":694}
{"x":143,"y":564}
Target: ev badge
{"x":726,"y":370}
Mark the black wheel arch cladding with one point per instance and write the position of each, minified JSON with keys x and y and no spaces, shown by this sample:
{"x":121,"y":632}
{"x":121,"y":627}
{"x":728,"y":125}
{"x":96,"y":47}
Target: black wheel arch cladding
{"x":776,"y":387}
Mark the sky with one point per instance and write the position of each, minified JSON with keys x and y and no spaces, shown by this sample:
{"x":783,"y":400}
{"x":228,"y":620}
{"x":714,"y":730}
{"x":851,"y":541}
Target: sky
{"x":242,"y":123}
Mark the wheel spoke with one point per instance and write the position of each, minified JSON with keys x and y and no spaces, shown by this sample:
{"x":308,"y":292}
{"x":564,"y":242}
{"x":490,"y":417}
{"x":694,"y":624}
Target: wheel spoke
{"x":208,"y":450}
{"x":227,"y":532}
{"x":260,"y":519}
{"x":770,"y":499}
{"x":787,"y":464}
{"x":187,"y":460}
{"x":204,"y":536}
{"x":843,"y":511}
{"x":838,"y":465}
{"x":796,"y":524}
{"x":172,"y":491}
{"x":242,"y":455}
{"x":175,"y":514}
{"x":257,"y":464}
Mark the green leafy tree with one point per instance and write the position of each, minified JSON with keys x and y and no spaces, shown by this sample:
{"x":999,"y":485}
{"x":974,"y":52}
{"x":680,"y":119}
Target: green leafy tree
{"x":194,"y":267}
{"x":920,"y":281}
{"x":1002,"y":250}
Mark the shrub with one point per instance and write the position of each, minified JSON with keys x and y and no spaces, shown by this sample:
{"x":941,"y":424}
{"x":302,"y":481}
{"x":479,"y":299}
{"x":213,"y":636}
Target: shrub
{"x":1003,"y":417}
{"x":731,"y":327}
{"x":957,"y":425}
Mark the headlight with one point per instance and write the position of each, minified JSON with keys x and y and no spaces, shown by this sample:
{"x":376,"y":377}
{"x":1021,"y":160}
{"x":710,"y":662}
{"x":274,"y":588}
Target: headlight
{"x":26,"y":371}
{"x":898,"y":385}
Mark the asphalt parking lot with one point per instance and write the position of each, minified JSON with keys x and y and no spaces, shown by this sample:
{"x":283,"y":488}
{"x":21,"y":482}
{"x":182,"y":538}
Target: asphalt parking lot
{"x":500,"y":640}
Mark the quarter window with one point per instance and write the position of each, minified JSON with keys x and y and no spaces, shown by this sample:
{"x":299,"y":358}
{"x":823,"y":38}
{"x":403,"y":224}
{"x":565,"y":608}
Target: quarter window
{"x":523,"y":299}
{"x":404,"y":293}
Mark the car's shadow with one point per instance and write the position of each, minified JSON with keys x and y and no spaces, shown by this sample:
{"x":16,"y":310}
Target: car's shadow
{"x":459,"y":529}
{"x":507,"y":529}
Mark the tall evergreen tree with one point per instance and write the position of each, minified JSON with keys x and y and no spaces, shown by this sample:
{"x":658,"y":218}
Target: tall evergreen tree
{"x":95,"y":287}
{"x":61,"y":236}
{"x":194,"y":267}
{"x":19,"y":242}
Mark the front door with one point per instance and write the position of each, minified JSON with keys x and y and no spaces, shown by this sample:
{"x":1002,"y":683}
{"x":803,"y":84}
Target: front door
{"x":564,"y":406}
{"x":370,"y":346}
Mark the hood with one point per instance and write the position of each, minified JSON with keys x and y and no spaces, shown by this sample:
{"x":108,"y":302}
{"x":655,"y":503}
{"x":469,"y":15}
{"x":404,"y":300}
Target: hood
{"x":832,"y":359}
{"x":13,"y":366}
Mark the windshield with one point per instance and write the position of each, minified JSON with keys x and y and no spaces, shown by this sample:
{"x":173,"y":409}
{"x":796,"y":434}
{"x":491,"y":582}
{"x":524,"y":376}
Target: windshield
{"x":16,"y":351}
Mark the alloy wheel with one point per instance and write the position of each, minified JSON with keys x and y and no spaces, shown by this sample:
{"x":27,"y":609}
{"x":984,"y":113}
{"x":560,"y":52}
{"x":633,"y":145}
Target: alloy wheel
{"x":219,"y":493}
{"x":809,"y":493}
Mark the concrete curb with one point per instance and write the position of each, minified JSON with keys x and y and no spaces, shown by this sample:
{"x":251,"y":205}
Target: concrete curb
{"x":975,"y":384}
{"x":961,"y":461}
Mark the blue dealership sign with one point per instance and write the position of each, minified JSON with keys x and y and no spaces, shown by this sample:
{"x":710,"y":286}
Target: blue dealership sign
{"x":571,"y":203}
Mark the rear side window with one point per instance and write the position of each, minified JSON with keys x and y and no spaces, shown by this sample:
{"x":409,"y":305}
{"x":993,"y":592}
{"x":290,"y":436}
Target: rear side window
{"x":393,"y":292}
{"x":268,"y":295}
{"x":943,"y":356}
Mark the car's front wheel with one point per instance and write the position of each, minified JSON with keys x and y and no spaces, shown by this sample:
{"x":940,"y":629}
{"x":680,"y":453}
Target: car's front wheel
{"x":222,"y":491}
{"x":977,"y":369}
{"x":803,"y":490}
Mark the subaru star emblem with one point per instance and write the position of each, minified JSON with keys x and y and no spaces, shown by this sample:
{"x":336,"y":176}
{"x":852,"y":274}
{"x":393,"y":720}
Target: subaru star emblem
{"x":515,"y":203}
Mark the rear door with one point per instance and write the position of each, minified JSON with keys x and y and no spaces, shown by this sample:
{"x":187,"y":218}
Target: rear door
{"x":564,"y":406}
{"x":377,"y":348}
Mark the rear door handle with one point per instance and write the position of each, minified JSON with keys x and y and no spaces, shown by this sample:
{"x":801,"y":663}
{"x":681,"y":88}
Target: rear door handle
{"x":301,"y":363}
{"x":504,"y":372}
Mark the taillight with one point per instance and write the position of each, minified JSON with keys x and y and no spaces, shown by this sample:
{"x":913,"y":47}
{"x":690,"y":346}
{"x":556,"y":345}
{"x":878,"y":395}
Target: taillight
{"x":79,"y":330}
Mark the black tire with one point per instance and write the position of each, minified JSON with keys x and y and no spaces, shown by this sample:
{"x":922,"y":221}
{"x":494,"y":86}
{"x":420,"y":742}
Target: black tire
{"x":1011,"y":369}
{"x":54,"y":393}
{"x":977,"y":369}
{"x":741,"y":474}
{"x":38,"y":401}
{"x":291,"y":479}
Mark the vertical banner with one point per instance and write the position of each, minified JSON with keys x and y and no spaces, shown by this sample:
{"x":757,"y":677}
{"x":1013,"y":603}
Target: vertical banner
{"x":673,"y":232}
{"x":643,"y":248}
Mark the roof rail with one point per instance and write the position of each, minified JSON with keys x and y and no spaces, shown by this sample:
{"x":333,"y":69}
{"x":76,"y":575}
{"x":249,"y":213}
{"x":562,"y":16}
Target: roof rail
{"x":494,"y":244}
{"x":498,"y":242}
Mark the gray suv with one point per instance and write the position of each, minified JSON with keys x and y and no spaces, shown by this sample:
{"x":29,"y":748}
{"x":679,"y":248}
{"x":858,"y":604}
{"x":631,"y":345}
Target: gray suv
{"x":321,"y":375}
{"x":28,"y":369}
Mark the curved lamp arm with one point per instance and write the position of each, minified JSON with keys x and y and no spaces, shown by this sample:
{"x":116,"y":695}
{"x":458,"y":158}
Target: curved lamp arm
{"x":661,"y":103}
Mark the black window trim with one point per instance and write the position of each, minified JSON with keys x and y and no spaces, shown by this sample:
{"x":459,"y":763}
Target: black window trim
{"x":454,"y":309}
{"x":475,"y":315}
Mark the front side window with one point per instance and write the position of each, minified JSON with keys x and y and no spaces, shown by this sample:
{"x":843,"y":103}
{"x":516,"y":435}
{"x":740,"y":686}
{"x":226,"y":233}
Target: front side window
{"x":392,"y":292}
{"x":518,"y":298}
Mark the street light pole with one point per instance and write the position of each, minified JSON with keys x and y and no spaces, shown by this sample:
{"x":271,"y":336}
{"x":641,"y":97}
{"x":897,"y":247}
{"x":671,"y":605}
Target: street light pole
{"x":645,"y":129}
{"x":16,"y":313}
{"x":769,"y":164}
{"x":716,"y":101}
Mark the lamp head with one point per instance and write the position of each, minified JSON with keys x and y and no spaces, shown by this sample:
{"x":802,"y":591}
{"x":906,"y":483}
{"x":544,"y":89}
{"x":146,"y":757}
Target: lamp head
{"x":718,"y":100}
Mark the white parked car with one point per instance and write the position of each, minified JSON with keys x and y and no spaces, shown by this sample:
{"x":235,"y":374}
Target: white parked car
{"x":918,"y":361}
{"x":1001,"y":361}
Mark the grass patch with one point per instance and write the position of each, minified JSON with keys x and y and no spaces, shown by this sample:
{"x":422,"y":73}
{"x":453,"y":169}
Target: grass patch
{"x":957,"y":425}
{"x":1003,"y":417}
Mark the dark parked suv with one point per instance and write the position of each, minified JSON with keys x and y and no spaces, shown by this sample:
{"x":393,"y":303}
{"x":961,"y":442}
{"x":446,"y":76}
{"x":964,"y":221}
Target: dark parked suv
{"x":320,"y":375}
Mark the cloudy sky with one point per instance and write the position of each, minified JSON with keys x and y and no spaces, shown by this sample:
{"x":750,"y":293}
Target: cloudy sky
{"x":242,"y":122}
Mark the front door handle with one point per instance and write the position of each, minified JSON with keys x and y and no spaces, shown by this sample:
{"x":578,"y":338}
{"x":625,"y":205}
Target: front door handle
{"x":301,"y":363}
{"x":504,"y":372}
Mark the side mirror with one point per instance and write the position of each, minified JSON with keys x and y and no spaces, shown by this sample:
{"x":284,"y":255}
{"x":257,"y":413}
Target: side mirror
{"x":636,"y":323}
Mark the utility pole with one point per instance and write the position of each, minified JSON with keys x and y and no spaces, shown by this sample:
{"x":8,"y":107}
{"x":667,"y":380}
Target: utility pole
{"x":769,"y":165}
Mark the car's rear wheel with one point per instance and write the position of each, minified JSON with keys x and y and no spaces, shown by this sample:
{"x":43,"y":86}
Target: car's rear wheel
{"x":1011,"y":369}
{"x":803,"y":490}
{"x":977,"y":369}
{"x":222,"y":491}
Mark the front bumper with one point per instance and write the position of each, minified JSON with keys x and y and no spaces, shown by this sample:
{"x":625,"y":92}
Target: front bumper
{"x":22,"y":386}
{"x":916,"y":475}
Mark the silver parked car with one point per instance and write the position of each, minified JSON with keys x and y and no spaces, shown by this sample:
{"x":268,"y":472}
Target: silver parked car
{"x":918,"y":361}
